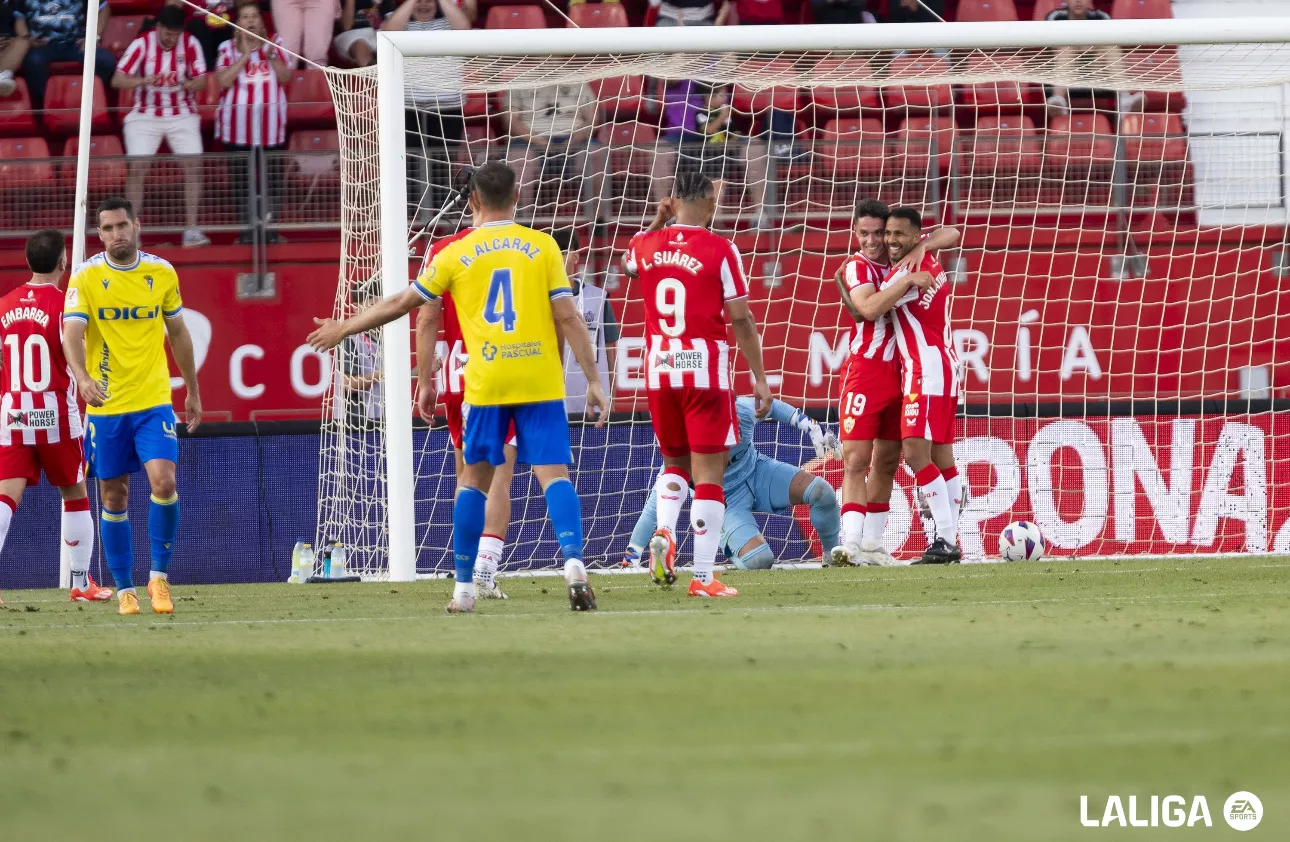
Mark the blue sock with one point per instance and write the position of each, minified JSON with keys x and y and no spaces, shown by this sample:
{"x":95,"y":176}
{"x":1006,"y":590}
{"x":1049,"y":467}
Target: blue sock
{"x":163,"y":526}
{"x":118,"y":548}
{"x":566,"y":517}
{"x":467,"y":526}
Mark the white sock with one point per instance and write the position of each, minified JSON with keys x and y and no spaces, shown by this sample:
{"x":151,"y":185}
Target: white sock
{"x":157,"y":574}
{"x":6,"y":517}
{"x":488,"y":558}
{"x":875,"y":524}
{"x":463,"y":589}
{"x":707,"y":516}
{"x":575,"y":571}
{"x":954,"y":486}
{"x":938,"y":500}
{"x":669,"y":501}
{"x":852,"y":525}
{"x":78,"y":543}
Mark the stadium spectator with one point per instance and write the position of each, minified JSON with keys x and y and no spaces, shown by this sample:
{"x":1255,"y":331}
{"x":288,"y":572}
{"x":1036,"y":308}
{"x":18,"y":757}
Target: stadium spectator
{"x":57,"y":32}
{"x":552,"y":131}
{"x":1086,"y":63}
{"x":434,"y":123}
{"x":359,"y":20}
{"x":684,"y":13}
{"x":697,"y":135}
{"x":164,"y":68}
{"x":598,"y":315}
{"x":841,"y":11}
{"x":752,"y":12}
{"x":13,"y":44}
{"x":305,"y":27}
{"x":360,"y":371}
{"x":916,"y":11}
{"x":252,"y":116}
{"x":212,"y":28}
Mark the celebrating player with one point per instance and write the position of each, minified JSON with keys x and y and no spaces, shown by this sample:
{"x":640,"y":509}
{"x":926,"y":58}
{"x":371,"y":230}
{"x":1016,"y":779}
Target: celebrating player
{"x":40,"y":422}
{"x":126,"y":303}
{"x":871,"y":384}
{"x":757,"y":483}
{"x":930,"y":372}
{"x":692,"y":279}
{"x":510,"y":290}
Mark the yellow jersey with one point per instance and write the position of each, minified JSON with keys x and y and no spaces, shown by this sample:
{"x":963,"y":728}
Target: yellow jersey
{"x":124,"y":308}
{"x":503,"y":278}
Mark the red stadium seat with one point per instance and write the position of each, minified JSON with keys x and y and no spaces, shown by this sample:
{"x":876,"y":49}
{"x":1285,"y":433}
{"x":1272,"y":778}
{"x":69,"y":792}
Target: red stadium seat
{"x":1157,"y":64}
{"x":16,"y":116}
{"x":1044,"y":7}
{"x":1154,"y":138}
{"x":914,"y":142}
{"x":1002,"y":160}
{"x":1080,"y":137}
{"x":845,"y":99}
{"x":597,"y":15}
{"x":621,"y":95}
{"x":997,"y":96}
{"x":106,"y":176}
{"x":986,"y":10}
{"x":309,"y":102}
{"x":120,"y":31}
{"x":916,"y":97}
{"x":849,"y":146}
{"x":25,"y":164}
{"x":133,"y":7}
{"x":208,"y":101}
{"x":515,"y":17}
{"x":632,"y":149}
{"x":477,"y":105}
{"x":63,"y":106}
{"x":314,"y":169}
{"x":752,"y":101}
{"x":1139,"y":9}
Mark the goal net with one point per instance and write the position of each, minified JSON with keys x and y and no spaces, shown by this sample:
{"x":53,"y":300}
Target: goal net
{"x":1118,"y":293}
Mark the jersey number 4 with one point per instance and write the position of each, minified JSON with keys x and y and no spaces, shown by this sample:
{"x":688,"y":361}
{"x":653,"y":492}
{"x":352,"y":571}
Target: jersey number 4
{"x":500,"y":306}
{"x":29,"y":368}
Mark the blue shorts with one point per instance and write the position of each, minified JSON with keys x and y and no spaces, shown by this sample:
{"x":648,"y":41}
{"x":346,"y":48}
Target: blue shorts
{"x":541,"y":434}
{"x":767,"y":491}
{"x":120,"y":444}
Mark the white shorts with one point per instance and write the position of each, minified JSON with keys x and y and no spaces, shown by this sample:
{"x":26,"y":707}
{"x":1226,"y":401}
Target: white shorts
{"x":143,"y":134}
{"x":345,"y":41}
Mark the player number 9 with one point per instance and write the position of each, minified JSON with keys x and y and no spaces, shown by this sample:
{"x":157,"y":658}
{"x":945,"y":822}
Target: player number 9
{"x":29,"y":369}
{"x":669,"y":300}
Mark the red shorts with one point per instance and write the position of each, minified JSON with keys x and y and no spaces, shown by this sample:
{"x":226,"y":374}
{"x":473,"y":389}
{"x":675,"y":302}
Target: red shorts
{"x":457,"y":421}
{"x":928,"y":417}
{"x":871,"y":401}
{"x":693,"y":420}
{"x":63,"y":463}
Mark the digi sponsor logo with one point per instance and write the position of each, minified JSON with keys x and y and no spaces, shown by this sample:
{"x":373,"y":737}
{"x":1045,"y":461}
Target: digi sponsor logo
{"x":115,"y":314}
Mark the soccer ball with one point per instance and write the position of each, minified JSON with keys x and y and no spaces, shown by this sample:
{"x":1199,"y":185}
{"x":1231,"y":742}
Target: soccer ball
{"x":1021,"y":541}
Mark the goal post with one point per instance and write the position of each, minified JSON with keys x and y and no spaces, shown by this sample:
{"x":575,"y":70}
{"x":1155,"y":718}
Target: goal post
{"x":1156,"y":205}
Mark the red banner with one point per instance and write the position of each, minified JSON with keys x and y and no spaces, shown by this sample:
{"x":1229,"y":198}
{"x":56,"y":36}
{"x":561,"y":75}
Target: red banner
{"x":1113,"y":486}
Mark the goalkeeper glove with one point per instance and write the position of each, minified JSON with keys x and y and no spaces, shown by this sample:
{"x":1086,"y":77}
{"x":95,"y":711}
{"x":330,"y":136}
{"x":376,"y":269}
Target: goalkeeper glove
{"x":825,"y":444}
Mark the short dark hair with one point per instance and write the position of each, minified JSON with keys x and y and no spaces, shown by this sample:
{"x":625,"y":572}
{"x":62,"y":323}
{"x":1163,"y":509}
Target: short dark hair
{"x":495,"y":183}
{"x":692,"y":185}
{"x":171,"y":17}
{"x":910,"y":215}
{"x":44,"y":248}
{"x":112,"y":203}
{"x":567,"y":239}
{"x":873,"y":208}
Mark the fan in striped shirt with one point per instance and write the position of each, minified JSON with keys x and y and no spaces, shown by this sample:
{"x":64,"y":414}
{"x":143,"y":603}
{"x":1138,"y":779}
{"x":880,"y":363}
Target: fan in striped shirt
{"x":164,"y":68}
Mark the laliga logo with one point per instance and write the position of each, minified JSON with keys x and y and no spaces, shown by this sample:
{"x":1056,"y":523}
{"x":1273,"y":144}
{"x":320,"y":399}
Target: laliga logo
{"x":1242,"y":811}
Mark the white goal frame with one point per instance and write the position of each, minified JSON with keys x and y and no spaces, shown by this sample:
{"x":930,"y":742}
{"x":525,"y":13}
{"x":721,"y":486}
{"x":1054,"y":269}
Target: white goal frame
{"x":394,"y":47}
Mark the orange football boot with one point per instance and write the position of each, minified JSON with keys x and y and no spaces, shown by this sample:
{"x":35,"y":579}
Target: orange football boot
{"x":717,"y":588}
{"x":92,"y":592}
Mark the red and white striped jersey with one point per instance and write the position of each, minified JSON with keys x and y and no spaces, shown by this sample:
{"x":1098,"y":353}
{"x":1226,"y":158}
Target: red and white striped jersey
{"x":38,"y":396}
{"x":452,"y":348}
{"x":687,"y":275}
{"x":922,"y":320}
{"x":871,"y":340}
{"x":254,"y":111}
{"x":167,"y":98}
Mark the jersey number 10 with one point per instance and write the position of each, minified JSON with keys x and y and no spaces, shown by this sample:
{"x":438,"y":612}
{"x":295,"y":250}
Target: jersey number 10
{"x":29,"y":368}
{"x":500,"y":306}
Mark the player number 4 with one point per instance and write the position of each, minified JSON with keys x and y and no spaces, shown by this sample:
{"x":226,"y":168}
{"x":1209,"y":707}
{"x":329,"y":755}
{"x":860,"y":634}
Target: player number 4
{"x":669,"y":301}
{"x":29,"y":368}
{"x":500,"y":306}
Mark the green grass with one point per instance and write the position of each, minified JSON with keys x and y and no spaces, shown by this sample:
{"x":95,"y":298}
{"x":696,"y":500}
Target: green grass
{"x":969,"y":703}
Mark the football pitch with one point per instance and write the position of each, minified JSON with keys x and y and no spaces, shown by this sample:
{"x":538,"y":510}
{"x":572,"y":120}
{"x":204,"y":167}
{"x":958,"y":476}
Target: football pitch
{"x":920,"y":704}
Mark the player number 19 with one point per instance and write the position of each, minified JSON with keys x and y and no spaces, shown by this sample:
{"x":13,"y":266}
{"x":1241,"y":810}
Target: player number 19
{"x":853,"y":404}
{"x":29,"y":368}
{"x":669,"y":300}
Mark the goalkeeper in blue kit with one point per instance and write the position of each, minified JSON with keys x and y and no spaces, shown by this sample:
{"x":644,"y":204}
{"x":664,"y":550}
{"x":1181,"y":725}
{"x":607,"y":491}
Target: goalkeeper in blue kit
{"x":757,"y":483}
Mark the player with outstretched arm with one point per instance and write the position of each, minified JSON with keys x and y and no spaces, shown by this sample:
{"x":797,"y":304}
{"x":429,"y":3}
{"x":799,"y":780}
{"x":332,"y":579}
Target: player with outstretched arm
{"x":40,"y":421}
{"x":757,"y":483}
{"x":510,"y":289}
{"x":124,"y":304}
{"x":691,"y":280}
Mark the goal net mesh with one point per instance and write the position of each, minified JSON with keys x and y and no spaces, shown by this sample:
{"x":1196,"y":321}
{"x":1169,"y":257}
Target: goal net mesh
{"x":1118,"y":302}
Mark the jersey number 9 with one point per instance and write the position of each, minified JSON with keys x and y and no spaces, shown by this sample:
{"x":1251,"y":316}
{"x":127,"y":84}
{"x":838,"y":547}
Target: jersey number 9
{"x":29,"y":368}
{"x":500,"y":306}
{"x":669,"y":300}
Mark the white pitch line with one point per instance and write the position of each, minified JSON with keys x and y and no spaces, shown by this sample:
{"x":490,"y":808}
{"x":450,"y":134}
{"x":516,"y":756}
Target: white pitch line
{"x":730,"y":608}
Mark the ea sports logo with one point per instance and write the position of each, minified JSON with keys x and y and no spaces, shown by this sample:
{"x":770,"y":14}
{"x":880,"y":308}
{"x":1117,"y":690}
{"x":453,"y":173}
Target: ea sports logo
{"x":1243,"y":811}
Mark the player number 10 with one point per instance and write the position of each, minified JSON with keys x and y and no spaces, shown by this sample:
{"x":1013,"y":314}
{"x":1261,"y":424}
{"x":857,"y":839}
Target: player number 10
{"x":29,"y":368}
{"x":669,"y":300}
{"x":500,"y":306}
